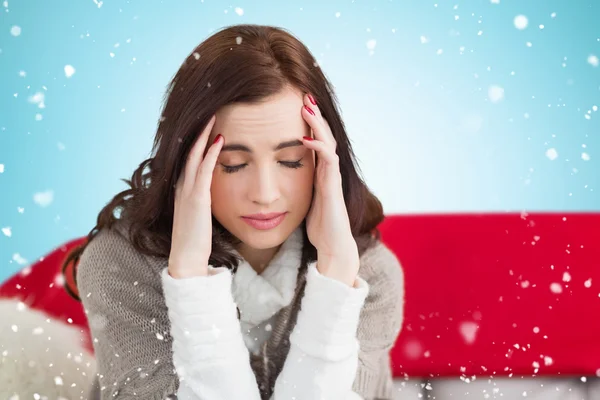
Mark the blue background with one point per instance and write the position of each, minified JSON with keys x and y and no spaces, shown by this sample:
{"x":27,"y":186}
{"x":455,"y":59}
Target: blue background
{"x":416,"y":102}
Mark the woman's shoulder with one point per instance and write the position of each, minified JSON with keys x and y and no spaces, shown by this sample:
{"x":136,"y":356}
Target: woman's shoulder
{"x":383,"y":312}
{"x":381,"y":269}
{"x":111,"y":256}
{"x":109,"y":243}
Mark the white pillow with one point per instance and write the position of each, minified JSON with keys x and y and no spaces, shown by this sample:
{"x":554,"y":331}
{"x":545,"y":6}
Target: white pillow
{"x":529,"y":388}
{"x":41,"y":358}
{"x":409,"y":389}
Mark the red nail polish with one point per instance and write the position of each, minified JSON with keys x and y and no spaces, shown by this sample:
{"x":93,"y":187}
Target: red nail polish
{"x":310,"y":111}
{"x":217,"y":138}
{"x":307,"y":138}
{"x":312,"y":99}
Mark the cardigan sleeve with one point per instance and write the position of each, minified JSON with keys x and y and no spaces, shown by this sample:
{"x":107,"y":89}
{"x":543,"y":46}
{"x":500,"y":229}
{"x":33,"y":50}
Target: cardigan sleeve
{"x":128,"y":322}
{"x":380,"y":322}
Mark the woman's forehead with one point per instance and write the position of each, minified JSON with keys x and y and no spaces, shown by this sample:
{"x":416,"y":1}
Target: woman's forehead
{"x":273,"y":119}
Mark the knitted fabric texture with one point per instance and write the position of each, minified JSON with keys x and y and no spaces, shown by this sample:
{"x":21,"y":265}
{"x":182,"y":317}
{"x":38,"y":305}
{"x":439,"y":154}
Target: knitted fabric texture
{"x":122,"y":295}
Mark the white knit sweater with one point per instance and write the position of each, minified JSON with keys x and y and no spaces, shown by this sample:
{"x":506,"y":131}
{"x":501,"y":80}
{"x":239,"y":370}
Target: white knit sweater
{"x":210,"y":344}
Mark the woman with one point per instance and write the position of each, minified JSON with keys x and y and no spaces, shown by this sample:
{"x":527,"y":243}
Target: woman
{"x":244,"y":262}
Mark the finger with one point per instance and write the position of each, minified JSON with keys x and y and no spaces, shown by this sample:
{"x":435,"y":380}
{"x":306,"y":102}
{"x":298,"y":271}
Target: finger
{"x":325,"y":152}
{"x":310,"y":101}
{"x":204,"y":177}
{"x":195,"y":157}
{"x":312,"y":115}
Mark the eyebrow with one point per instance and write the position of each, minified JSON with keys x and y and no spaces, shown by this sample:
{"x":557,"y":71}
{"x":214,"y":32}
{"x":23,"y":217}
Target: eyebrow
{"x":280,"y":146}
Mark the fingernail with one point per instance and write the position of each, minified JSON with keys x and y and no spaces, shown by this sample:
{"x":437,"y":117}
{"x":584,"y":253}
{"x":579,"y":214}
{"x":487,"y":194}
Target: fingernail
{"x":311,"y":112}
{"x":307,"y":138}
{"x":217,"y":138}
{"x":312,"y":99}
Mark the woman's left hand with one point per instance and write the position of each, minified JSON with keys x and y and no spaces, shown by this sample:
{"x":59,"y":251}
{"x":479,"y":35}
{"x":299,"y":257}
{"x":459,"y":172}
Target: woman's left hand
{"x":327,"y":222}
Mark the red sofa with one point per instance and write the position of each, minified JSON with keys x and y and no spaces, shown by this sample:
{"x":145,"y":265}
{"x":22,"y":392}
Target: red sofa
{"x":508,"y":296}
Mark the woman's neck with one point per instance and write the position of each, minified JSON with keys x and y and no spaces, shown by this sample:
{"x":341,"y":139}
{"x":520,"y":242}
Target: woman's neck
{"x":258,"y":259}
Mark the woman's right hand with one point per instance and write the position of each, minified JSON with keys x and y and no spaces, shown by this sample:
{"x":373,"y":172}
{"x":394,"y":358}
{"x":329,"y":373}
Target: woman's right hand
{"x":191,"y":242}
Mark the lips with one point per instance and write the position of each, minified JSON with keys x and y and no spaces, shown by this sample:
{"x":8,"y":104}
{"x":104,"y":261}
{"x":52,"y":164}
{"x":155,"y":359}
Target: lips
{"x":264,"y":221}
{"x":263,"y":217}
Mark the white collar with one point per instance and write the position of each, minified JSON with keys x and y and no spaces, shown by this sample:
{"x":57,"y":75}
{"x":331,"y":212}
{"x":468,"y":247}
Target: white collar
{"x":259,"y":297}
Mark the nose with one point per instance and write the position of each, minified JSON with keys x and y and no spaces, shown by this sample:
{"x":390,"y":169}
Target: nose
{"x":264,"y":188}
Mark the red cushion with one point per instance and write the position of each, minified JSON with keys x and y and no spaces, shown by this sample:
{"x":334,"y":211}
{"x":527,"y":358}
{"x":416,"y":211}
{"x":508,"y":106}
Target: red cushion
{"x":40,"y":286}
{"x":478,"y":286}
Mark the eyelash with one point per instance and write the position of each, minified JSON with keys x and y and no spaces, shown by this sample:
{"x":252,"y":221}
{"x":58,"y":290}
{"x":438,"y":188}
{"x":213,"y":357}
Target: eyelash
{"x":289,"y":164}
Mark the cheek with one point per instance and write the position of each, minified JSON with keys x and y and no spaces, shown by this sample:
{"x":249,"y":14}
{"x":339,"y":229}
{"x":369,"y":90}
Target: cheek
{"x":223,"y":192}
{"x":301,"y":186}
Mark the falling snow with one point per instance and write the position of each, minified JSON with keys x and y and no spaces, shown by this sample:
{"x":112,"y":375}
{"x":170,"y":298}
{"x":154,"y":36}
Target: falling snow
{"x":556,"y":288}
{"x":43,"y":199}
{"x":38,"y":99}
{"x":479,"y":89}
{"x":69,"y":71}
{"x":495,"y":93}
{"x":552,"y":154}
{"x":15,"y":30}
{"x":18,"y":259}
{"x":468,"y":330}
{"x":521,"y":22}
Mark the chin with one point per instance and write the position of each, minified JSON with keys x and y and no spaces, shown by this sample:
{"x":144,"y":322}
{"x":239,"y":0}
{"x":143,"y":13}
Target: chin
{"x":260,"y":240}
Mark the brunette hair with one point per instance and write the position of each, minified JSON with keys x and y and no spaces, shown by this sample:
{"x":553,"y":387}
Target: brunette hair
{"x":238,"y":64}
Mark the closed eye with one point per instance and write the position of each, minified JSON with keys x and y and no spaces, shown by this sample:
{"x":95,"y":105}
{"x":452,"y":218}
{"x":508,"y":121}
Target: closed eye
{"x":230,"y":169}
{"x":292,"y":164}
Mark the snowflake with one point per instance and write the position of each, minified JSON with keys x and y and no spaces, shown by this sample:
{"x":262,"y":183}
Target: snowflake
{"x":495,"y":93}
{"x":21,"y":261}
{"x":38,"y":98}
{"x":521,"y":22}
{"x":43,"y":199}
{"x":552,"y":154}
{"x":69,"y":71}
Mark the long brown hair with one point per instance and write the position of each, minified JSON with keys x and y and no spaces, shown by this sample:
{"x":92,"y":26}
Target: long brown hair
{"x":244,"y":64}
